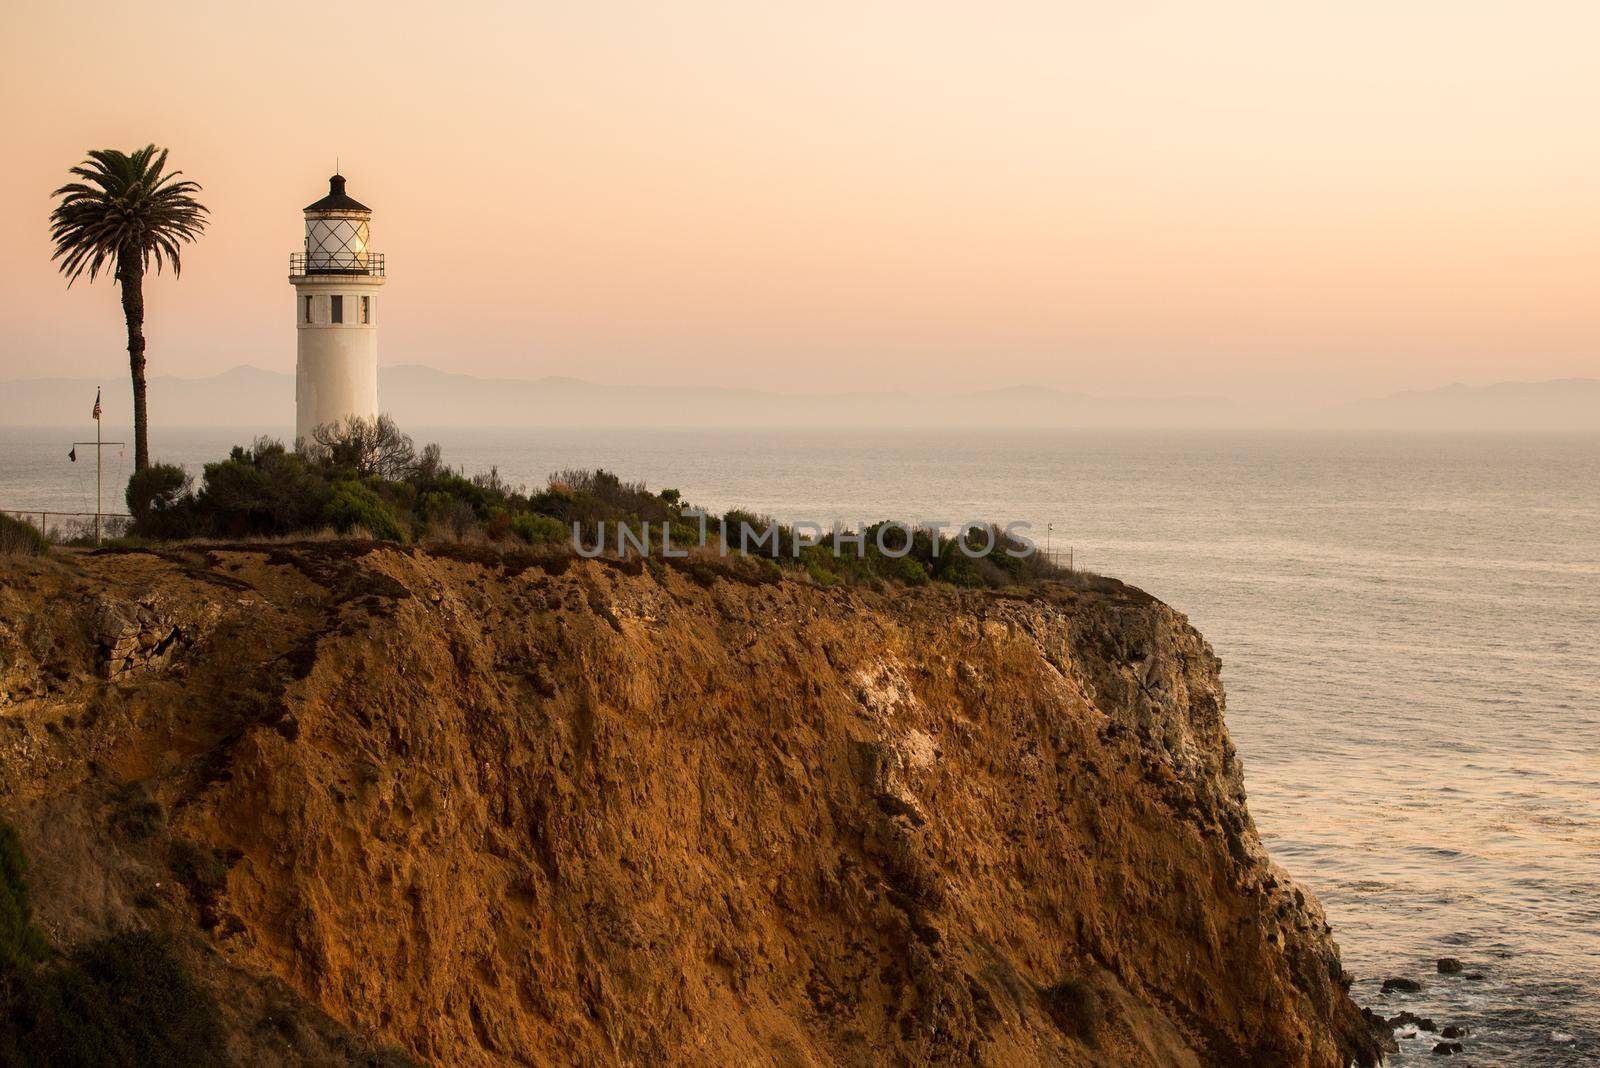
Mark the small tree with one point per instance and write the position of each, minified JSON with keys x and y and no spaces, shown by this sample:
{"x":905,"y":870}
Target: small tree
{"x":18,"y":537}
{"x":367,"y":447}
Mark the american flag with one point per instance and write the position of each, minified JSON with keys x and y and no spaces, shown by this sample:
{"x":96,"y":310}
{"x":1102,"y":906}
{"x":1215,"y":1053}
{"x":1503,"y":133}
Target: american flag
{"x":97,"y":403}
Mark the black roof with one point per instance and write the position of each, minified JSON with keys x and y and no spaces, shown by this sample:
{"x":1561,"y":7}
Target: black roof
{"x":336,"y":199}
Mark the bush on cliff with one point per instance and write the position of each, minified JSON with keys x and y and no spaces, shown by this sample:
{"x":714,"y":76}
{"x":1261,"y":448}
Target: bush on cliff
{"x":20,"y":941}
{"x":369,"y":476}
{"x":539,"y":529}
{"x":354,"y":505}
{"x":156,"y":495}
{"x":124,"y":999}
{"x":260,"y":489}
{"x":366,"y":448}
{"x":19,"y":537}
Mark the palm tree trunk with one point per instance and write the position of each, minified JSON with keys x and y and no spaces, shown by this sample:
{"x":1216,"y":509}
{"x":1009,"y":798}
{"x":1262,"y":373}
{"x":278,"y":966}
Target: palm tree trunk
{"x":131,"y":276}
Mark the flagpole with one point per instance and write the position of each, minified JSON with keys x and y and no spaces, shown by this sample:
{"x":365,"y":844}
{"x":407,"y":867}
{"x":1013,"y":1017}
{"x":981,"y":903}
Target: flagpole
{"x":97,"y":462}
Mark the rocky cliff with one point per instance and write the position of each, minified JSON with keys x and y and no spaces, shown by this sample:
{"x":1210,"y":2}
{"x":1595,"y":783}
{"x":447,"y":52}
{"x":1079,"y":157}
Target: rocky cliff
{"x":509,"y":810}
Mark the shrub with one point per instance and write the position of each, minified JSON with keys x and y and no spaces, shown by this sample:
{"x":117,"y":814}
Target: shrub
{"x":498,"y":526}
{"x":590,"y":496}
{"x":538,"y":529}
{"x":956,"y":568}
{"x":366,"y":447}
{"x":20,"y":941}
{"x":353,"y":504}
{"x":19,"y":537}
{"x":158,"y":497}
{"x":123,"y":999}
{"x":1075,"y":1007}
{"x":909,"y":571}
{"x":441,"y":515}
{"x":158,"y":486}
{"x":820,"y":574}
{"x":263,"y":489}
{"x":758,"y":539}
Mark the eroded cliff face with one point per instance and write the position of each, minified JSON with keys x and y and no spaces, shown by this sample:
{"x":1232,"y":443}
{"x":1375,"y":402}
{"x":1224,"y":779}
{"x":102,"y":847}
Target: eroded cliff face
{"x":499,"y":811}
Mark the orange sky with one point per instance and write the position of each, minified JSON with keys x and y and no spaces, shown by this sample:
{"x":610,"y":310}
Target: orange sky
{"x":1237,"y":198}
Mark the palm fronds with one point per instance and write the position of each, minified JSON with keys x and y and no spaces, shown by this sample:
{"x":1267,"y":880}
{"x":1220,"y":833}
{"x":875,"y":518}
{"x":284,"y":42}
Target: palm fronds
{"x":125,"y":210}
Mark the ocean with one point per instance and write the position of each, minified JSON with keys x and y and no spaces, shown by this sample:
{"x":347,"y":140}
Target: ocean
{"x":1409,"y":628}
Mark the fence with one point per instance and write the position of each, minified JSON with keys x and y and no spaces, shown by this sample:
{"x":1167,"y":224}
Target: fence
{"x":111,"y":523}
{"x":1061,"y":558}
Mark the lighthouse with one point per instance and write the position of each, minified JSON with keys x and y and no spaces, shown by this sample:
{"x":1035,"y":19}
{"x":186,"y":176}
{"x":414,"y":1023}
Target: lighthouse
{"x":336,"y":282}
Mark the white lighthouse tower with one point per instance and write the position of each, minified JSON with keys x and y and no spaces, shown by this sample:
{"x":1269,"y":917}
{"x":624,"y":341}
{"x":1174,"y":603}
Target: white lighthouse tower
{"x":336,"y":282}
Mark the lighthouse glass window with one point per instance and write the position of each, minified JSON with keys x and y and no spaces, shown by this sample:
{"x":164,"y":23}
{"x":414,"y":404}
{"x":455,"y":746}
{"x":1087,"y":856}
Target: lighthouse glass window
{"x":366,"y":310}
{"x":337,"y":244}
{"x":336,"y":310}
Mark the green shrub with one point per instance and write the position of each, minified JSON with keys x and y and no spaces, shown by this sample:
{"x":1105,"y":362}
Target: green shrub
{"x":820,"y":574}
{"x":260,"y":490}
{"x":353,"y":504}
{"x":440,"y":512}
{"x":588,"y":497}
{"x":20,"y":538}
{"x":122,"y":1000}
{"x":753,"y":534}
{"x":159,"y":486}
{"x":20,"y":940}
{"x":909,"y":571}
{"x":956,"y":568}
{"x":538,"y":529}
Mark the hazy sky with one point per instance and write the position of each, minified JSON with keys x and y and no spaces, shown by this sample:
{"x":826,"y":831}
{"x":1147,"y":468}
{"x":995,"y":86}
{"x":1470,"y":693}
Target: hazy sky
{"x":1255,"y":199}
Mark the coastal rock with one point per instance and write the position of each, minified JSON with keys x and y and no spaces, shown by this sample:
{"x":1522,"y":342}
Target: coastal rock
{"x":145,"y":633}
{"x":1411,"y":1019}
{"x":1401,"y":984}
{"x":1453,"y":1031}
{"x":1381,"y":1031}
{"x":1446,"y":1049}
{"x":1449,"y":966}
{"x":501,"y":810}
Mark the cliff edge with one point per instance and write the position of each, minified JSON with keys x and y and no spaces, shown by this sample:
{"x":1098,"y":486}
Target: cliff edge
{"x":513,"y":810}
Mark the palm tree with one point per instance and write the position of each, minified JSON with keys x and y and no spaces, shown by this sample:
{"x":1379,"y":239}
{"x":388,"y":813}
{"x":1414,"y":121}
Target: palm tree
{"x":123,"y":214}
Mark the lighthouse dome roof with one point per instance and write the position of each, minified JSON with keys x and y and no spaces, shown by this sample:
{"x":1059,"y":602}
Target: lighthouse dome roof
{"x":337,"y":199}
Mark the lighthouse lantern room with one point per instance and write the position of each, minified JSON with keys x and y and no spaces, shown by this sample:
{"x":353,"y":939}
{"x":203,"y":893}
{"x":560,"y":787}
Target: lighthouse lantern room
{"x":336,"y":282}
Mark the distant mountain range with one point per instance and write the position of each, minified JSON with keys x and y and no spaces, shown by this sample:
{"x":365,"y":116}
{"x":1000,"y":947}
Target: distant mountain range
{"x":1561,"y":404}
{"x":424,"y":397}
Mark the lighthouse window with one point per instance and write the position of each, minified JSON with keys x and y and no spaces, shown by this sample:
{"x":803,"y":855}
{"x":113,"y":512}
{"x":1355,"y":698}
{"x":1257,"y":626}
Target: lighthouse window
{"x":336,"y":310}
{"x":308,"y":309}
{"x":366,"y":310}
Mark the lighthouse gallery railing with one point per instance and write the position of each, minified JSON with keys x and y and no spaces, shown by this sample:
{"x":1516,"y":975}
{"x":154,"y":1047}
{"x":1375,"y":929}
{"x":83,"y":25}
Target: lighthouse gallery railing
{"x":302,"y":264}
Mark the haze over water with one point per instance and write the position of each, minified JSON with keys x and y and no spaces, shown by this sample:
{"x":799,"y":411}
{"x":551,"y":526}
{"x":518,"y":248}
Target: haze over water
{"x":1409,"y":628}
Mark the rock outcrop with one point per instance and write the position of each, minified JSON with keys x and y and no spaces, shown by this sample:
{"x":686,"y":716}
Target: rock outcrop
{"x":510,"y":810}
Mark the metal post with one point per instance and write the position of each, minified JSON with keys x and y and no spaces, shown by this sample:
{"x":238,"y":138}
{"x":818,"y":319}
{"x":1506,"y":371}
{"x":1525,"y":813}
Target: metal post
{"x":97,"y":462}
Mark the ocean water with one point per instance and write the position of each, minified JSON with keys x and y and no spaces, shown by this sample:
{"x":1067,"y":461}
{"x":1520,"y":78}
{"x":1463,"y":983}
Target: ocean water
{"x":1409,"y":627}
